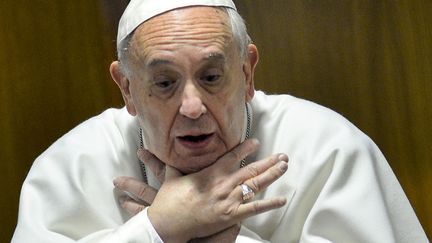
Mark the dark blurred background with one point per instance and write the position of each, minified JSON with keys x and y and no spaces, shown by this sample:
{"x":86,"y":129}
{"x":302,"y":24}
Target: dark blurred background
{"x":369,"y":60}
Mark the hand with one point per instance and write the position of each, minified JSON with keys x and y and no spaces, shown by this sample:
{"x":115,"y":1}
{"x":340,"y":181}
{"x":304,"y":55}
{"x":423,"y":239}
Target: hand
{"x":206,"y":202}
{"x":140,"y":195}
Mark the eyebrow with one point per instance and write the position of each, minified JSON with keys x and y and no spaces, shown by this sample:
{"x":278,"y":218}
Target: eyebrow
{"x":214,"y":57}
{"x":157,"y":62}
{"x":210,"y":57}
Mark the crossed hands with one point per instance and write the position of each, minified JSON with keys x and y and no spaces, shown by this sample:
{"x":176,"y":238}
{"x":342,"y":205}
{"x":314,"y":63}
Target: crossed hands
{"x":206,"y":206}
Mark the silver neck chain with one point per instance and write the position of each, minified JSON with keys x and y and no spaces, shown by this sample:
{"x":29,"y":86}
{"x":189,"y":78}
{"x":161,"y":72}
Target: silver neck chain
{"x":142,"y":165}
{"x":242,"y":162}
{"x":248,"y":128}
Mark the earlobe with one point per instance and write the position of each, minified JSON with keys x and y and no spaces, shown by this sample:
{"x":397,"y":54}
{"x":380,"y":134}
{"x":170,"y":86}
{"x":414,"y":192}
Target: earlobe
{"x":123,"y":83}
{"x":249,"y":71}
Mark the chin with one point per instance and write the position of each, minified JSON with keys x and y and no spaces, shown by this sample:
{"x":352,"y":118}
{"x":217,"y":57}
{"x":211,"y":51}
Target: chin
{"x":195,"y":164}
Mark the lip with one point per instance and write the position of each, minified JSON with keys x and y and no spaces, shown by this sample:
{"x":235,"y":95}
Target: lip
{"x":195,"y":141}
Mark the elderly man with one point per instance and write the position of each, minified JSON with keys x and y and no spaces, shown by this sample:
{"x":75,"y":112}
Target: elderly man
{"x":198,"y":155}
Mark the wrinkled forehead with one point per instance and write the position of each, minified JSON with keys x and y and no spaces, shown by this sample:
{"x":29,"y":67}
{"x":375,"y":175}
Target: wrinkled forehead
{"x":197,"y":26}
{"x":139,"y":11}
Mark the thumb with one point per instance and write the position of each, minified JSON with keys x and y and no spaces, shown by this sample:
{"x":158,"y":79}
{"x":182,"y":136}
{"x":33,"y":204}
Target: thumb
{"x":155,"y":165}
{"x":171,"y":173}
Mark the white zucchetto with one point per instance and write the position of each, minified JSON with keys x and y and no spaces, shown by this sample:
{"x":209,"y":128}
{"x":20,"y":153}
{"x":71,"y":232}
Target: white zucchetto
{"x":138,"y":11}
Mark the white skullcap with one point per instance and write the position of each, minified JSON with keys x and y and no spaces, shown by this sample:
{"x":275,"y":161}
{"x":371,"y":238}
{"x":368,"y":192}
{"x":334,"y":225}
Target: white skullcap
{"x":139,"y":11}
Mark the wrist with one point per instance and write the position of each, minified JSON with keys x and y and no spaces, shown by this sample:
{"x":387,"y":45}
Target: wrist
{"x":166,"y":227}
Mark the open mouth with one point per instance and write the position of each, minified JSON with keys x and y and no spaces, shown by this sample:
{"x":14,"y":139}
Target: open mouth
{"x":195,"y":139}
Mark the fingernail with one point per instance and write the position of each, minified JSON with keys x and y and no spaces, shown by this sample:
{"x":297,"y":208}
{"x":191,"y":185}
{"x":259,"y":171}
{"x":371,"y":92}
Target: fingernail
{"x":116,"y":181}
{"x":283,"y":166}
{"x":283,"y":201}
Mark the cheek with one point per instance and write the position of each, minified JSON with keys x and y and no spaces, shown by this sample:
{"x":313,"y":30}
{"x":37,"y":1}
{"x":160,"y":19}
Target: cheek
{"x":237,"y":114}
{"x":139,"y":91}
{"x":154,"y":116}
{"x":233,"y":102}
{"x":156,"y":132}
{"x":155,"y":119}
{"x":232,"y":118}
{"x":144,"y":103}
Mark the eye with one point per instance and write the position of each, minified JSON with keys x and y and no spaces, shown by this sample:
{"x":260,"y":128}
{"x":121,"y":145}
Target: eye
{"x":164,"y":84}
{"x":211,"y":76}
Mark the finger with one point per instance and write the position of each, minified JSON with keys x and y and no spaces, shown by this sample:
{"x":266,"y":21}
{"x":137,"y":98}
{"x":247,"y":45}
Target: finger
{"x":155,"y":165}
{"x":231,"y":160}
{"x":131,"y":206}
{"x":260,"y":176}
{"x":171,"y":173}
{"x":260,"y":206}
{"x":247,"y":190}
{"x":136,"y":189}
{"x":262,"y":181}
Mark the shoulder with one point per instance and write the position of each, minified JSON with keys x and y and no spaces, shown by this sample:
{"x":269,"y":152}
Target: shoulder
{"x":296,"y":120}
{"x":337,"y":172}
{"x":99,"y":142}
{"x":75,"y":173}
{"x":113,"y":126}
{"x":311,"y":135}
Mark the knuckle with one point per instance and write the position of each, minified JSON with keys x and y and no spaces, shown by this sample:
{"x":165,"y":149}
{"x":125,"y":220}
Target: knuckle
{"x":252,"y":170}
{"x":228,"y":212}
{"x":225,"y":210}
{"x":274,"y":159}
{"x":236,"y":155}
{"x":255,"y":185}
{"x":124,"y":203}
{"x":279,"y":169}
{"x":142,"y":191}
{"x":256,"y":207}
{"x":160,"y":174}
{"x":275,"y":173}
{"x":138,"y":209}
{"x":221,"y":192}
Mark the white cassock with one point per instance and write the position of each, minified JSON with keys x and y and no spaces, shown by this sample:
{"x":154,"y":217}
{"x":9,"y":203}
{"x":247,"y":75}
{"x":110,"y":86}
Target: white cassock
{"x":339,"y":186}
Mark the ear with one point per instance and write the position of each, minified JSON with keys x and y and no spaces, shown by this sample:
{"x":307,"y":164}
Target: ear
{"x":249,"y":70}
{"x":123,"y":83}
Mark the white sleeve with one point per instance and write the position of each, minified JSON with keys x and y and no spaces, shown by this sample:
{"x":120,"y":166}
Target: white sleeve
{"x":137,"y":229}
{"x":68,"y":195}
{"x":248,"y":236}
{"x":360,"y":201}
{"x":349,"y":194}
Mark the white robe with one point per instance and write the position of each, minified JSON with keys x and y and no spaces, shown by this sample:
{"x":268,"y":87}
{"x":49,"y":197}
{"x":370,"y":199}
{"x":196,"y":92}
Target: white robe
{"x":339,"y":186}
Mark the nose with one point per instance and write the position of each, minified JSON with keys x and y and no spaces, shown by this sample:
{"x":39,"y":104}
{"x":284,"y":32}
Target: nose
{"x":191,"y":104}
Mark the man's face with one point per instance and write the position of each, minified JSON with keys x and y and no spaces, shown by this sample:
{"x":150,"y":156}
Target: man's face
{"x":188,"y":86}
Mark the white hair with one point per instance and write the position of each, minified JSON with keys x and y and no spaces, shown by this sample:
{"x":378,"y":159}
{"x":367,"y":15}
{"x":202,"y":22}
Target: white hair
{"x":238,"y":29}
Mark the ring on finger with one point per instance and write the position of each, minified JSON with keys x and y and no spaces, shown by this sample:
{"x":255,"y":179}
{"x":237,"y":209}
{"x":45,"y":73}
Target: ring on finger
{"x":247,"y":192}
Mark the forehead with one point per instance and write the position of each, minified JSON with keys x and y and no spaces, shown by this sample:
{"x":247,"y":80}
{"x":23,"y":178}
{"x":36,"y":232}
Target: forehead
{"x":194,"y":26}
